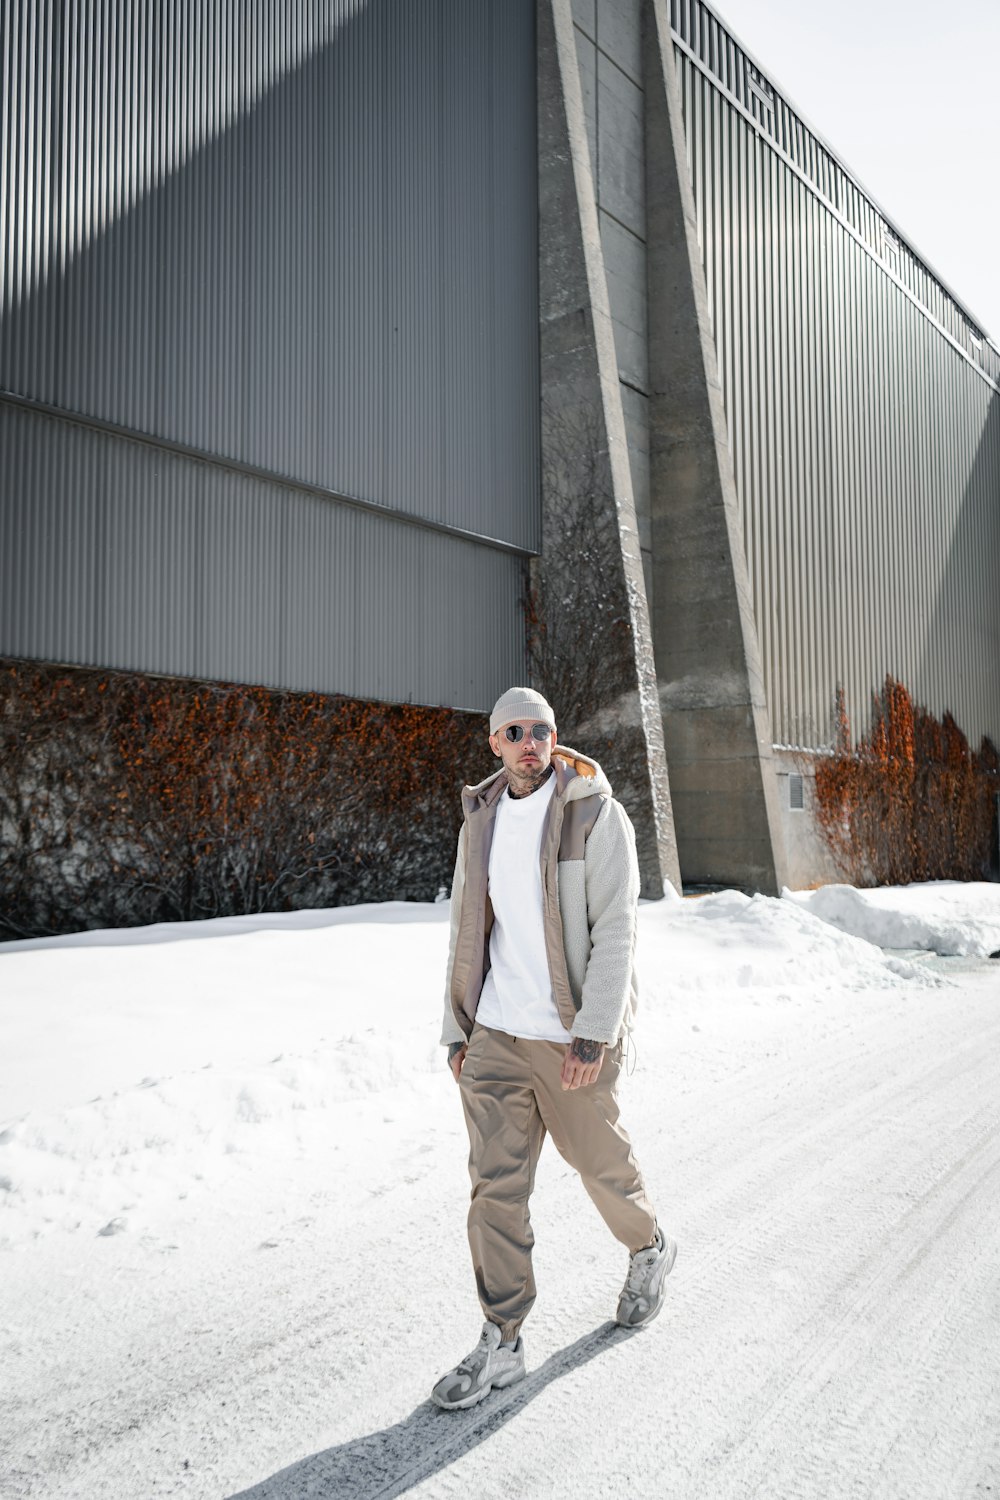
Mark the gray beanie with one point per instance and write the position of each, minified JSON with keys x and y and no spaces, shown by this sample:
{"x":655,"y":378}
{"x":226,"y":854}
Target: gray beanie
{"x":521,"y":703}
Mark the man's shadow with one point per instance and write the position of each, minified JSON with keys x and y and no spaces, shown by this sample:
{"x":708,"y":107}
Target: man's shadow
{"x":390,"y":1462}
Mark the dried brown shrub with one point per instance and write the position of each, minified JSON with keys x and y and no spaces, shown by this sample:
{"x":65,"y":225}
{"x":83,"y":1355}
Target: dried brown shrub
{"x":127,"y":799}
{"x":577,"y":613}
{"x":911,"y":800}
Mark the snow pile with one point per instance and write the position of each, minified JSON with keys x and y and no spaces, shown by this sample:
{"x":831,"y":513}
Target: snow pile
{"x":198,"y":1023}
{"x":85,"y":1017}
{"x":84,"y":1168}
{"x":731,"y":941}
{"x":134,"y":1072}
{"x":949,"y":917}
{"x":387,"y":913}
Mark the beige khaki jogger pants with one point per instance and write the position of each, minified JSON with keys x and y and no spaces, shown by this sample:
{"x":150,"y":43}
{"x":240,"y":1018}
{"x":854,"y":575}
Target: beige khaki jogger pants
{"x":512,"y":1096}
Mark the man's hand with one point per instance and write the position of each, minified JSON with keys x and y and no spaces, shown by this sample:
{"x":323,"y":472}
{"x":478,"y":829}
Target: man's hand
{"x":455,"y":1063}
{"x":582,"y":1063}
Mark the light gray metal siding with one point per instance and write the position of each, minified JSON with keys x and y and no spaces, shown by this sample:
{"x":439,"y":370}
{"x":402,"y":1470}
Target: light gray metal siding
{"x":296,"y":238}
{"x":152,"y":561}
{"x":863,"y":413}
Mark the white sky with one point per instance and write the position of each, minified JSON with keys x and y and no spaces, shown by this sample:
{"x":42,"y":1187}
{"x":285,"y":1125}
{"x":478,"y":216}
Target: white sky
{"x":904,"y":91}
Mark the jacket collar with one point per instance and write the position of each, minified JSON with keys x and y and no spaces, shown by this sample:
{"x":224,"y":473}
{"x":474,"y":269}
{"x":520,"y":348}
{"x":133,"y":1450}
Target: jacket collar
{"x":576,"y":776}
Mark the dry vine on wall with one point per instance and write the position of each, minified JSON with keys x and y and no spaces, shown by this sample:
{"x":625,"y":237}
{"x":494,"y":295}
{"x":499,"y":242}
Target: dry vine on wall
{"x":911,"y":800}
{"x":127,"y":799}
{"x":578,"y":626}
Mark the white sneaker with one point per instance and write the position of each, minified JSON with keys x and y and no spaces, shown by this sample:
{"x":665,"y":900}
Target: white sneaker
{"x":490,"y":1364}
{"x":645,"y":1284}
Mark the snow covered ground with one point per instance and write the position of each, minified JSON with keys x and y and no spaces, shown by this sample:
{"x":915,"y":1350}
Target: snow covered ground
{"x":233,"y":1189}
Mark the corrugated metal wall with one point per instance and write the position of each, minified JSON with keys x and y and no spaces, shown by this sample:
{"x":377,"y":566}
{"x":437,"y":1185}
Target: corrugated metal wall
{"x":863,"y":412}
{"x":234,"y":577}
{"x":301,"y":240}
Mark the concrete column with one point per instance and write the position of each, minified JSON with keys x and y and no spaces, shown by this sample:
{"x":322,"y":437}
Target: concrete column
{"x":715,"y":719}
{"x":594,"y":653}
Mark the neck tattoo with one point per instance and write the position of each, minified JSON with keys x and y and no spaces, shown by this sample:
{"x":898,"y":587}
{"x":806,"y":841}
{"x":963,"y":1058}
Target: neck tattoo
{"x":523,"y":786}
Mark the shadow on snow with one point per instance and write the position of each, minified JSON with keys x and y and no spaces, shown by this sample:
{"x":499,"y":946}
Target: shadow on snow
{"x":390,"y":1462}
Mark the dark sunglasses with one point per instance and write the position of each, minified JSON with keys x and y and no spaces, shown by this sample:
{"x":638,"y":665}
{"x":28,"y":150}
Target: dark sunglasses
{"x":539,"y":732}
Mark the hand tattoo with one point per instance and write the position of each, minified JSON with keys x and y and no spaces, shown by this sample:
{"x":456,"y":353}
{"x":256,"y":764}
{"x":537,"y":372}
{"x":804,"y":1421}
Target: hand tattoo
{"x":587,"y":1052}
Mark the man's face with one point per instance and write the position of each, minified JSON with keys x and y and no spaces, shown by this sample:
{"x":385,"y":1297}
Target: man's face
{"x":528,"y":758}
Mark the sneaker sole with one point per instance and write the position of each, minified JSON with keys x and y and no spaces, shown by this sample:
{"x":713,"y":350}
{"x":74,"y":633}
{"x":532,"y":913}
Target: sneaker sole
{"x":501,"y":1382}
{"x":669,"y":1258}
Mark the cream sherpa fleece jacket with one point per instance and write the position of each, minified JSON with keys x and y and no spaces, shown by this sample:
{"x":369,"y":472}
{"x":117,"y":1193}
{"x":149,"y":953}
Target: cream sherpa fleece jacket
{"x":590,"y":895}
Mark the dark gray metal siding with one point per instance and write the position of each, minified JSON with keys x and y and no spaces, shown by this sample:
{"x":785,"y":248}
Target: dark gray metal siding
{"x":863,"y":410}
{"x":296,"y":238}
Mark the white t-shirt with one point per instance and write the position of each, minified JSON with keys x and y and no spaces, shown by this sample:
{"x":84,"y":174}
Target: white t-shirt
{"x":517,"y":993}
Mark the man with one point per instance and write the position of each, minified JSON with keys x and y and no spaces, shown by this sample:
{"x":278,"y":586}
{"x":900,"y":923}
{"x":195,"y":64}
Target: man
{"x":540,"y":992}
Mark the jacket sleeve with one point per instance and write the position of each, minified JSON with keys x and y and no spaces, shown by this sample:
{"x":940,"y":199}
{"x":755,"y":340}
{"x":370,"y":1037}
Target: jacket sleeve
{"x":611,"y":872}
{"x":450,"y":1029}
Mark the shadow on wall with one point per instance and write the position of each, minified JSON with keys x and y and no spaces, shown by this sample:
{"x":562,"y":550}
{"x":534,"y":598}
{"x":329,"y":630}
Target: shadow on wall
{"x":960,"y":662}
{"x":306,"y":291}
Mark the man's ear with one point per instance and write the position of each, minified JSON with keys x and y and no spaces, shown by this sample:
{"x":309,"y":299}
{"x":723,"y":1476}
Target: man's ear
{"x":495,"y":745}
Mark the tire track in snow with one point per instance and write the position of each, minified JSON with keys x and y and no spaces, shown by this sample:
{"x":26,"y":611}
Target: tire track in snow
{"x":804,"y":1166}
{"x":776,"y":1177}
{"x":866,"y":1307}
{"x":775,"y":1173}
{"x":912,"y":1166}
